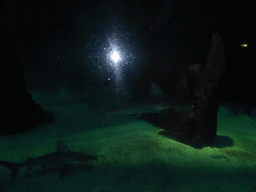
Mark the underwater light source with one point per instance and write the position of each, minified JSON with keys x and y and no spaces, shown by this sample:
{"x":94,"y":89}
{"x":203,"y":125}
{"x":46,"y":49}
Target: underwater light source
{"x":115,"y":57}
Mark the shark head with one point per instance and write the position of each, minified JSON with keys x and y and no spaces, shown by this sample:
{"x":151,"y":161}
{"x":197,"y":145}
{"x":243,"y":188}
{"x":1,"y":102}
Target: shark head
{"x":81,"y":158}
{"x":73,"y":157}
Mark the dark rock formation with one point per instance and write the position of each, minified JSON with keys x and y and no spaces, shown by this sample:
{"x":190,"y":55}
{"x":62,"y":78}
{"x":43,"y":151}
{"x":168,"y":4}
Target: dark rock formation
{"x":200,"y":83}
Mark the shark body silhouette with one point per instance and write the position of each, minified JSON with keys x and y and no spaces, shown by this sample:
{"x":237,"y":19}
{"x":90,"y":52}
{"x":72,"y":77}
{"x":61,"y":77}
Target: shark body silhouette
{"x":63,"y":158}
{"x":157,"y":103}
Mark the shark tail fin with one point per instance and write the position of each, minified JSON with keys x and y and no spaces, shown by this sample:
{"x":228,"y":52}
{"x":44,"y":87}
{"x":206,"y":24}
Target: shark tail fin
{"x":14,"y":167}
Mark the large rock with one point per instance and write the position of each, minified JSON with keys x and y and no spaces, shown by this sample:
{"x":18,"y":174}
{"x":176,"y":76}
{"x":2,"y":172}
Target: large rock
{"x":199,"y":82}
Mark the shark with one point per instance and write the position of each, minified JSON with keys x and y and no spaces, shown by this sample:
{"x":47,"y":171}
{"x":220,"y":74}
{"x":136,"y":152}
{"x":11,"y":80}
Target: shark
{"x":63,"y":159}
{"x":157,"y":103}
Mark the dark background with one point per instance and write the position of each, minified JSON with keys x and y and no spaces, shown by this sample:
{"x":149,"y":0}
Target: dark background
{"x":48,"y":37}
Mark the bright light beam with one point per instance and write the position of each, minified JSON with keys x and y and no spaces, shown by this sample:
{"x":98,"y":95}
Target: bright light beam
{"x":115,"y":57}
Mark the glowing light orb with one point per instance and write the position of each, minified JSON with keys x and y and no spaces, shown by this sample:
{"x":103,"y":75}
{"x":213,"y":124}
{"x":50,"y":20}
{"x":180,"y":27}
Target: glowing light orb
{"x":115,"y":57}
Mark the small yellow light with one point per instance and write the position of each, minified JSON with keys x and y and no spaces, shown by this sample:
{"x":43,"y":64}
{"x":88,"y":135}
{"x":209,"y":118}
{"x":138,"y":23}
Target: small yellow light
{"x":244,"y":45}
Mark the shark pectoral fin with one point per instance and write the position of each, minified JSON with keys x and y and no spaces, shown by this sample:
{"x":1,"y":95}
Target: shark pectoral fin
{"x":29,"y":159}
{"x":44,"y":168}
{"x":66,"y":170}
{"x":14,"y":167}
{"x":29,"y":167}
{"x":70,"y":168}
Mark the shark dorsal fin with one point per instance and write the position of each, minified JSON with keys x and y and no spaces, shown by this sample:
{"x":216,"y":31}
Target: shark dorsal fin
{"x":156,"y":91}
{"x":61,"y":147}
